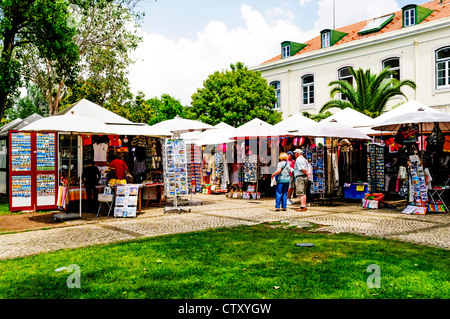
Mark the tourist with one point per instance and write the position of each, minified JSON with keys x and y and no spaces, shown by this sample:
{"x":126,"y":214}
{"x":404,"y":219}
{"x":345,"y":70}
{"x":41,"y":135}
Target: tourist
{"x":91,"y":176}
{"x":119,"y":166}
{"x":301,"y":178}
{"x":283,"y":179}
{"x":291,"y":162}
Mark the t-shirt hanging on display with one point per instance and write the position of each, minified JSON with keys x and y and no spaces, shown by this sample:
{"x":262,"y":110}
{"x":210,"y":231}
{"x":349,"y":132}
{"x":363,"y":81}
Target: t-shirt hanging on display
{"x":175,"y":168}
{"x":100,"y":152}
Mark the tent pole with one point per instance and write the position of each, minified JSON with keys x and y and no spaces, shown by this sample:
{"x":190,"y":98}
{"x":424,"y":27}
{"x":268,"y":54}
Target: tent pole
{"x":70,"y":164}
{"x":80,"y":165}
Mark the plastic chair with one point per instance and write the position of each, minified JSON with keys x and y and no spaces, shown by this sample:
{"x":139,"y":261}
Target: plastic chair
{"x":106,"y":197}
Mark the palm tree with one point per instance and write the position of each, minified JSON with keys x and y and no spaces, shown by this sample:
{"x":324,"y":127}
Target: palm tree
{"x":372,"y":92}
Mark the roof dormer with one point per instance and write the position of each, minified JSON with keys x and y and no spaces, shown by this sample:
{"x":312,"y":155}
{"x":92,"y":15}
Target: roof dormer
{"x":330,"y":37}
{"x":412,"y":14}
{"x":289,"y":48}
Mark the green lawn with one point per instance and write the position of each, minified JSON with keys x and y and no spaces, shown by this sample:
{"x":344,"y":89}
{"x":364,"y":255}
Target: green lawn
{"x":244,"y":262}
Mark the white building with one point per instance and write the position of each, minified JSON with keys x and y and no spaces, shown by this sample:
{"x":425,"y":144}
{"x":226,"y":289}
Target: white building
{"x":414,"y":41}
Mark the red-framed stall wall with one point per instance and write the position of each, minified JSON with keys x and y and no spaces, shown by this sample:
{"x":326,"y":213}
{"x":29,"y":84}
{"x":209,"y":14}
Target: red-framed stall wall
{"x":33,"y":172}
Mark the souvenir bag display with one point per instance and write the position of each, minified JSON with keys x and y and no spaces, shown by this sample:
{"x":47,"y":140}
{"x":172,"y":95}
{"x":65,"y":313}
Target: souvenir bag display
{"x":436,"y":139}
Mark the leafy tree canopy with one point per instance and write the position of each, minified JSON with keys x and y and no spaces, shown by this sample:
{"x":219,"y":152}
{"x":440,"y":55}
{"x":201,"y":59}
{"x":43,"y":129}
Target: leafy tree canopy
{"x":150,"y":111}
{"x":235,"y":97}
{"x":38,"y":23}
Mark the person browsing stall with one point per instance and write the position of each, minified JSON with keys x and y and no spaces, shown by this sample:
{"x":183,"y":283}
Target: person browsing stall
{"x":291,"y":162}
{"x":283,"y":179}
{"x":301,"y":178}
{"x":119,"y":166}
{"x":91,"y":176}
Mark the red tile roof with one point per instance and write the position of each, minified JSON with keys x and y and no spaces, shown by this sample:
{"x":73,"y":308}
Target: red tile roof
{"x":440,"y":10}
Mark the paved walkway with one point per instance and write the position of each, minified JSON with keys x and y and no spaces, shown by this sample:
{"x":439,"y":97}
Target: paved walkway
{"x":219,"y":211}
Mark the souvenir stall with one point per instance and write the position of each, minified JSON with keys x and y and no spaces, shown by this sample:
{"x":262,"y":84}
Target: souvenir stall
{"x":207,"y":164}
{"x":67,"y":140}
{"x":175,"y":161}
{"x":256,"y":157}
{"x":32,"y":171}
{"x":422,"y":171}
{"x":326,"y":159}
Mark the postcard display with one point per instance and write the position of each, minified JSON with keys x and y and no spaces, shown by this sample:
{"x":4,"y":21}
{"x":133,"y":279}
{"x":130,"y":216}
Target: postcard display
{"x":194,"y":168}
{"x":126,"y":200}
{"x":32,"y":171}
{"x":418,"y":188}
{"x":375,"y":167}
{"x":175,"y":168}
{"x":316,"y":158}
{"x":251,"y":169}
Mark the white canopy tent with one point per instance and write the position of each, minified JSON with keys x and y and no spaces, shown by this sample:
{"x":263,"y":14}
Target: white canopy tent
{"x":70,"y":123}
{"x":426,"y":117}
{"x":94,"y":111}
{"x":258,"y":128}
{"x":179,"y":125}
{"x":295,"y":122}
{"x":332,"y":129}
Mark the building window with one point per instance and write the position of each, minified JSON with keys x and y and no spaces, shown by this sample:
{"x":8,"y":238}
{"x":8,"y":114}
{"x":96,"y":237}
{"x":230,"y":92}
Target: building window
{"x":326,"y":40}
{"x":286,"y":51}
{"x":308,"y":89}
{"x":394,"y":65}
{"x":276,"y":86}
{"x":443,"y":67}
{"x":409,"y":17}
{"x":345,"y":75}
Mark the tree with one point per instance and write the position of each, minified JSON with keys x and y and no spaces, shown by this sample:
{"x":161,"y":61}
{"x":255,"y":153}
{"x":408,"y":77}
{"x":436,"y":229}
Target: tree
{"x":372,"y":92}
{"x":106,"y":32}
{"x":32,"y":103}
{"x":165,"y":108}
{"x":38,"y":23}
{"x":235,"y":97}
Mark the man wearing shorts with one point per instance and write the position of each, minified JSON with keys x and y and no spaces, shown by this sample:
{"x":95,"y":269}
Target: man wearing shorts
{"x":301,"y":178}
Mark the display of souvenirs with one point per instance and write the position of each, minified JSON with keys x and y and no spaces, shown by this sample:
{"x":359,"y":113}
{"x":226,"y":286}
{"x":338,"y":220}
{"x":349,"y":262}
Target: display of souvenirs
{"x":250,"y":168}
{"x":316,"y":158}
{"x":175,"y":168}
{"x":45,"y":151}
{"x":418,"y":183}
{"x":21,"y":186}
{"x":20,"y":151}
{"x":194,"y":168}
{"x":218,"y":168}
{"x":126,"y":200}
{"x":45,"y":185}
{"x":375,"y":167}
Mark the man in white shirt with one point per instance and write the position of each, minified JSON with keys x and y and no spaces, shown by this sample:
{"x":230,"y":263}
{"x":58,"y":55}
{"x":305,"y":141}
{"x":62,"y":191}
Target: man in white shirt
{"x":301,"y":178}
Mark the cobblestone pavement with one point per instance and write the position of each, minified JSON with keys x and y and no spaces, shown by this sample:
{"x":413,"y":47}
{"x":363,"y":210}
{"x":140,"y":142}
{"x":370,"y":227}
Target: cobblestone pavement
{"x":219,"y":211}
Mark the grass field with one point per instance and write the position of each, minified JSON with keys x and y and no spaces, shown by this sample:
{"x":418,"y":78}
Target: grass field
{"x":245,"y":262}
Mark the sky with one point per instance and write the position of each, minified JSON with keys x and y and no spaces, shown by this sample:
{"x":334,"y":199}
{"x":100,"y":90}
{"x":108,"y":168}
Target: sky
{"x":184,"y":41}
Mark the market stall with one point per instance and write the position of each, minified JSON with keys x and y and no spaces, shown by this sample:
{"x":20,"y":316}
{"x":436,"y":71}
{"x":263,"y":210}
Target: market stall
{"x":255,"y":155}
{"x":78,"y":138}
{"x":420,"y":138}
{"x":325,"y":160}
